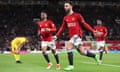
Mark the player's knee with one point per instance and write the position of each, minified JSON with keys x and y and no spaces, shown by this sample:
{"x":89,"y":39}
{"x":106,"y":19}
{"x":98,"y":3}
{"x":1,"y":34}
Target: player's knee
{"x":69,"y":45}
{"x":44,"y":48}
{"x":81,"y":50}
{"x":82,"y":53}
{"x":44,"y":53}
{"x":53,"y":51}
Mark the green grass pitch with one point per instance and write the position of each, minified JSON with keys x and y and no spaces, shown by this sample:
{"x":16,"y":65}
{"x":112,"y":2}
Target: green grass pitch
{"x":36,"y":63}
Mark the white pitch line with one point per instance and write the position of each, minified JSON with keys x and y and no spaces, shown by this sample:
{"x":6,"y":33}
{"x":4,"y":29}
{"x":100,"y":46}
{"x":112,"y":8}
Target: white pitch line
{"x":103,"y":64}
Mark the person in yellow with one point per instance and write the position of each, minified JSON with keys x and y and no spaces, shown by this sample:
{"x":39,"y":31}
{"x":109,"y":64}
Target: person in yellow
{"x":16,"y":45}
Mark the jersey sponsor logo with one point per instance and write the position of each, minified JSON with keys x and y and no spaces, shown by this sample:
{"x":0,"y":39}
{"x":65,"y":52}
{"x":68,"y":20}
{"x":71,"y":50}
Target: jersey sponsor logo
{"x":100,"y":32}
{"x":71,"y":24}
{"x":42,"y":29}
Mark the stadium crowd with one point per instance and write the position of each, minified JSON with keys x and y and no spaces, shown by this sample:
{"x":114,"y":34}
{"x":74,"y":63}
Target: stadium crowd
{"x":18,"y":20}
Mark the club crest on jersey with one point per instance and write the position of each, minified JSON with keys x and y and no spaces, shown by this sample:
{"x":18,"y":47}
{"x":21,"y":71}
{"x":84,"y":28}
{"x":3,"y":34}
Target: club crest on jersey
{"x":46,"y":25}
{"x":73,"y":19}
{"x":67,"y":20}
{"x":101,"y":29}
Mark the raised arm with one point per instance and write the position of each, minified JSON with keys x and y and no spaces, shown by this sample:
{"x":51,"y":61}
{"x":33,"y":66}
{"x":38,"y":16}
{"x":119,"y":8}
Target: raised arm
{"x":85,"y":24}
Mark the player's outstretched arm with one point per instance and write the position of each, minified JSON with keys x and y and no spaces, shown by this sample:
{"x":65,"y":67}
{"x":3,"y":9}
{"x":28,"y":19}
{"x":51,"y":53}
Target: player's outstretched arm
{"x":86,"y":25}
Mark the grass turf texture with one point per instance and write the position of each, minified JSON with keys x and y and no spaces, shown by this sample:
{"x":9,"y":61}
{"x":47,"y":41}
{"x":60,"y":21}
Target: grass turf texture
{"x":36,"y":63}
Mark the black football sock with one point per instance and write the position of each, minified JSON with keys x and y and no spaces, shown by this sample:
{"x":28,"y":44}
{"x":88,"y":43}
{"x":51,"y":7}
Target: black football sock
{"x":89,"y":54}
{"x":101,"y":55}
{"x":46,"y":57}
{"x":70,"y":58}
{"x":56,"y":56}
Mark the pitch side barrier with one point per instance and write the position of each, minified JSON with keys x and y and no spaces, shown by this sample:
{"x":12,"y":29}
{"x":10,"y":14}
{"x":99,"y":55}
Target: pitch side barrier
{"x":113,"y":46}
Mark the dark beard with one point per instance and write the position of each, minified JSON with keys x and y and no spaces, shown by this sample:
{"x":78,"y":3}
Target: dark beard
{"x":42,"y":19}
{"x":99,"y":24}
{"x":67,"y":12}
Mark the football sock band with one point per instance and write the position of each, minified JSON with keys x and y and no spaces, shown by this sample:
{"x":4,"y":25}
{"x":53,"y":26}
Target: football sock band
{"x":46,"y":57}
{"x":89,"y":54}
{"x":17,"y":57}
{"x":70,"y":58}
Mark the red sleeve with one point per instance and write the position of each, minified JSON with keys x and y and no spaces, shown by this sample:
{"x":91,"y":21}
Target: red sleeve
{"x":61,"y":28}
{"x":53,"y":27}
{"x":85,"y":24}
{"x":105,"y":32}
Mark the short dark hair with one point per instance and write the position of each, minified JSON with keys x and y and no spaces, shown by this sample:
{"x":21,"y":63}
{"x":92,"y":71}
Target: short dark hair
{"x":70,"y":2}
{"x":43,"y":11}
{"x":99,"y":19}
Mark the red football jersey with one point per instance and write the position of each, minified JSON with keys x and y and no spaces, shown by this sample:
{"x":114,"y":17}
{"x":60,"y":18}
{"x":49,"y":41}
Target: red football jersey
{"x":73,"y":22}
{"x":102,"y":32}
{"x":42,"y":26}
